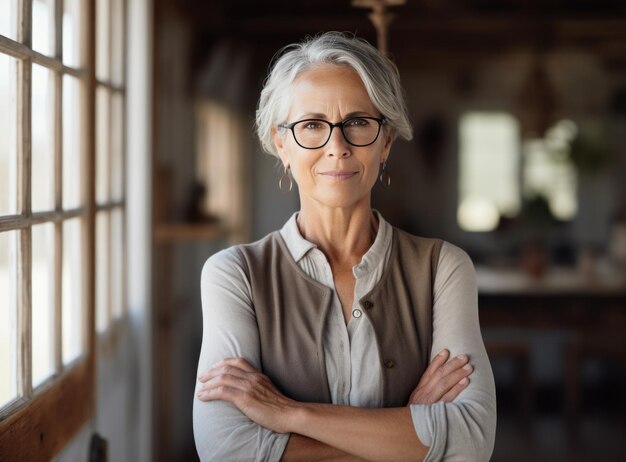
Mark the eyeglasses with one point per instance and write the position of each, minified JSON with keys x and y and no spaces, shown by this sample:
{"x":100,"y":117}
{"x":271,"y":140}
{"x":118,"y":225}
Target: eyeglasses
{"x":315,"y":133}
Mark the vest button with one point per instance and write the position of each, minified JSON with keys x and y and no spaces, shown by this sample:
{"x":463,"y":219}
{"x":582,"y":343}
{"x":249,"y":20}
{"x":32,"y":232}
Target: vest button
{"x":389,"y":363}
{"x":368,"y":305}
{"x":357,"y":313}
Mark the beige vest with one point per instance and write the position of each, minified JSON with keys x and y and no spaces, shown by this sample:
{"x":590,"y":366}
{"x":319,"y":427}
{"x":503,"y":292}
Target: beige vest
{"x":291,"y":310}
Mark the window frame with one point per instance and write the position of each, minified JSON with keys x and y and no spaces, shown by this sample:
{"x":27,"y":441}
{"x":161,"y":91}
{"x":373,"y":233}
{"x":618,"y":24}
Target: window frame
{"x":30,"y":427}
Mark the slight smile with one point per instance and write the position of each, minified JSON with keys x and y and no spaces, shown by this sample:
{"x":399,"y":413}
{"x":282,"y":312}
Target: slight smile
{"x":339,"y":174}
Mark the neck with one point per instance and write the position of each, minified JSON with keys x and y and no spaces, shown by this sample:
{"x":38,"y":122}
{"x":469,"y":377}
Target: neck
{"x":342,"y":234}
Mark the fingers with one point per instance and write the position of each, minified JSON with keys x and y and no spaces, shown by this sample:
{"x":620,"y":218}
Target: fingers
{"x":228,"y":379}
{"x":455,"y":390}
{"x":443,"y":379}
{"x":451,"y":374}
{"x":454,"y":364}
{"x":227,"y":364}
{"x":222,"y":392}
{"x":436,"y":363}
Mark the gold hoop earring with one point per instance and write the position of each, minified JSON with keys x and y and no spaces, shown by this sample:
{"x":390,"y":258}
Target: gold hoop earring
{"x":385,"y":178}
{"x":286,"y":175}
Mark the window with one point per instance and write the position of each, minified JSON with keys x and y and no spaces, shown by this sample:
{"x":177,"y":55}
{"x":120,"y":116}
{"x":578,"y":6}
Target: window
{"x":110,"y":164}
{"x":46,"y":224}
{"x":221,"y":144}
{"x":488,"y":166}
{"x":549,"y":170}
{"x":498,"y":170}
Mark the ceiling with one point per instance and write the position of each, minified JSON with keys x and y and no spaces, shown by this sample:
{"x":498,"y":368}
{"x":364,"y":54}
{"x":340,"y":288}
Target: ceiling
{"x":425,"y":29}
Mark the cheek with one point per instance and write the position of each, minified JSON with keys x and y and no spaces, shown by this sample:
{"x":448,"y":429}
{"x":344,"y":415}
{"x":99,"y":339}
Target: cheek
{"x":302,"y":170}
{"x":372,"y":175}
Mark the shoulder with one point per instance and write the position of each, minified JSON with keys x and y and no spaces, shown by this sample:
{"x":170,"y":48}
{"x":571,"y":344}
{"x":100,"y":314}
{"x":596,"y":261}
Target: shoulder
{"x":455,"y":269}
{"x":412,"y":248}
{"x":234,"y":261}
{"x":226,"y":262}
{"x":452,"y":256}
{"x":404,"y":236}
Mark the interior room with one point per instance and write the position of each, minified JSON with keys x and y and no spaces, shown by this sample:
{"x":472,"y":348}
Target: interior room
{"x":128,"y":157}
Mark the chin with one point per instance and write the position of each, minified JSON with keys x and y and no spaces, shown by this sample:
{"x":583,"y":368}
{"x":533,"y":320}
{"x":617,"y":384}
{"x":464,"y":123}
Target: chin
{"x":340,"y":199}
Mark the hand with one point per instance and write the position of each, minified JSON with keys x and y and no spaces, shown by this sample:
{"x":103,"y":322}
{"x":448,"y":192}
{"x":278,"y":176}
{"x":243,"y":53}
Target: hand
{"x":236,"y":381}
{"x":442,"y":381}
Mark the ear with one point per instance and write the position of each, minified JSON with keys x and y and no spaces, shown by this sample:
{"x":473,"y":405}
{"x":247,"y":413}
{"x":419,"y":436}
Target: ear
{"x":279,"y":143}
{"x":384,"y":155}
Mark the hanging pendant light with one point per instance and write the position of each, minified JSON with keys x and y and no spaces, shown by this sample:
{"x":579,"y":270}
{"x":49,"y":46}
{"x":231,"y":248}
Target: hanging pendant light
{"x":380,"y":17}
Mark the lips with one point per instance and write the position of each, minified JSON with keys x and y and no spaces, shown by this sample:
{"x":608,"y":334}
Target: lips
{"x":338,"y":174}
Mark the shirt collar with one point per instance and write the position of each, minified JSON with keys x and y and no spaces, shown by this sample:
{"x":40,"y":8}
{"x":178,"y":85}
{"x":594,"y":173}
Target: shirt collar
{"x":298,"y":246}
{"x":376,"y":254}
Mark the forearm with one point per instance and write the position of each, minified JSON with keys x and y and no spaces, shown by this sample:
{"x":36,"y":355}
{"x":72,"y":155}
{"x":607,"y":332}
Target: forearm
{"x":371,"y":434}
{"x":301,"y":448}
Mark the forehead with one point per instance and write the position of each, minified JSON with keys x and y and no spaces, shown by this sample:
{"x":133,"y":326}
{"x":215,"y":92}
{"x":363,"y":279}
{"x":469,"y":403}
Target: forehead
{"x":330,"y":87}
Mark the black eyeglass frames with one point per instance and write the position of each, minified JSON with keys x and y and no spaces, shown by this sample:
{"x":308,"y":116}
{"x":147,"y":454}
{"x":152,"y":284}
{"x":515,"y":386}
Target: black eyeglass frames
{"x":315,"y":133}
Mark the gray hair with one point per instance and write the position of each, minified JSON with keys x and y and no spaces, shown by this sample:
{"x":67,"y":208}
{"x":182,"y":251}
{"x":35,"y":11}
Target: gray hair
{"x":378,"y":73}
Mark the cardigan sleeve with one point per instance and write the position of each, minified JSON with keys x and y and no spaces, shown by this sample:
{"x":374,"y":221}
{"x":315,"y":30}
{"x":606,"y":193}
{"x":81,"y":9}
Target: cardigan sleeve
{"x":465,"y":428}
{"x":221,"y":431}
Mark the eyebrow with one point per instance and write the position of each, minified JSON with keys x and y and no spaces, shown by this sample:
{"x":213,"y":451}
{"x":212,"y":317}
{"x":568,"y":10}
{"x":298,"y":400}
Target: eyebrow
{"x":319,"y":115}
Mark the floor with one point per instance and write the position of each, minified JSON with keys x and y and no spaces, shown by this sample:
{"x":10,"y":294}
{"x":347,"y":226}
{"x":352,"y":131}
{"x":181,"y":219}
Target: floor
{"x":602,"y":431}
{"x":603,"y":439}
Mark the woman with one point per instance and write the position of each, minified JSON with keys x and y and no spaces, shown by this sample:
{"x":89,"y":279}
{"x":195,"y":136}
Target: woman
{"x":318,"y":338}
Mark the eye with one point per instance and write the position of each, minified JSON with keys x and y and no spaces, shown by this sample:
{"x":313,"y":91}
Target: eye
{"x":312,"y":125}
{"x":357,"y":122}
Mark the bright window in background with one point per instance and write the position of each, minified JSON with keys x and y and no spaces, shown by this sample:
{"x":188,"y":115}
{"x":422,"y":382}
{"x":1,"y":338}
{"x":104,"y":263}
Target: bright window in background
{"x":72,"y":32}
{"x":221,"y":146}
{"x":43,"y":139}
{"x":498,"y":170}
{"x":43,"y":280}
{"x":43,"y":26}
{"x":8,"y":134}
{"x":72,"y":291}
{"x":489,"y":170}
{"x":549,"y":171}
{"x":8,"y":313}
{"x":8,"y":18}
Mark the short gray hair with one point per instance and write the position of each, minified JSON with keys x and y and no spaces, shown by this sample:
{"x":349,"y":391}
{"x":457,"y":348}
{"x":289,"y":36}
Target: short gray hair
{"x":379,"y":75}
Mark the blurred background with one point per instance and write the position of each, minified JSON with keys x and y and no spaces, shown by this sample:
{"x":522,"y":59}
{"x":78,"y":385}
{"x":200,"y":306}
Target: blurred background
{"x":518,"y":157}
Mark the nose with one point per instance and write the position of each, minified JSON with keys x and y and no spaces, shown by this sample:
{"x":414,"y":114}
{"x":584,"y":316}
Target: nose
{"x":337,"y":145}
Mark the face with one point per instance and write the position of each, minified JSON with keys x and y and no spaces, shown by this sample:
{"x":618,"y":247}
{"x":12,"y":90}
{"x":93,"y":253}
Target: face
{"x":337,"y":174}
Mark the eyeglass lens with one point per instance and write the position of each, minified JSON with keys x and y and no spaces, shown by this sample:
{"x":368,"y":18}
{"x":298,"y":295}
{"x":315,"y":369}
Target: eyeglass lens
{"x":315,"y":133}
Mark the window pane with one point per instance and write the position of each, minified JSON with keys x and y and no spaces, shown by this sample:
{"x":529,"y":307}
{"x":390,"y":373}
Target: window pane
{"x":117,"y":262}
{"x":102,"y":40}
{"x":43,"y":139}
{"x":43,"y":26}
{"x":72,"y":305}
{"x":549,"y":171}
{"x":71,"y":32}
{"x":8,"y":326}
{"x":103,"y":135}
{"x":8,"y":135}
{"x":8,"y":18}
{"x":489,"y":170}
{"x":117,"y":41}
{"x":43,"y":301}
{"x":117,"y":147}
{"x":102,"y":271}
{"x":72,"y":160}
